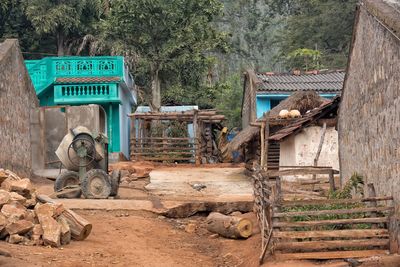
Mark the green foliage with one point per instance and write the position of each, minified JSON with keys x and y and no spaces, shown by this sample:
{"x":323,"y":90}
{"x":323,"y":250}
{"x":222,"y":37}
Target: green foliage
{"x":354,"y":184}
{"x":323,"y":25}
{"x":66,"y":21}
{"x":304,"y":59}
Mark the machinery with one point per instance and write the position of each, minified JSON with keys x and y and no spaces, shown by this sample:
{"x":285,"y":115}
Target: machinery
{"x":86,"y":159}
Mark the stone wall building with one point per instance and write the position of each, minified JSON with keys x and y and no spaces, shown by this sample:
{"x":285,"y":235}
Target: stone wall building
{"x":18,"y":103}
{"x":369,"y":117}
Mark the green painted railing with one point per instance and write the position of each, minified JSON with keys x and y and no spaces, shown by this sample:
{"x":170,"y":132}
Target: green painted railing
{"x":86,"y":93}
{"x":44,"y":72}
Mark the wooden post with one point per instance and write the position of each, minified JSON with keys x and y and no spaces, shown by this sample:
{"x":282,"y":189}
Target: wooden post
{"x":371,"y":193}
{"x":133,"y":137}
{"x":262,"y":146}
{"x":394,"y":232}
{"x":332,"y":180}
{"x":266,"y":142}
{"x":196,"y":136}
{"x":321,"y":142}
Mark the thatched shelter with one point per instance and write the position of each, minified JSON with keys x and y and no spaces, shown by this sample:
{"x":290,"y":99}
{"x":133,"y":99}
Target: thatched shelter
{"x":300,"y":100}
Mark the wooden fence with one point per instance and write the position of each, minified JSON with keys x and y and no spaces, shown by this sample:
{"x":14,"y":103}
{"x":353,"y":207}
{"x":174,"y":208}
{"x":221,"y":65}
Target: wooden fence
{"x":323,"y":228}
{"x":165,"y":149}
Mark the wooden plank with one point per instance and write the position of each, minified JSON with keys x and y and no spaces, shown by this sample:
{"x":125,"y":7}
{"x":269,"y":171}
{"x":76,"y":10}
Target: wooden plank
{"x":338,"y":211}
{"x":301,"y":171}
{"x":161,"y":153}
{"x":328,"y":222}
{"x":290,"y":203}
{"x":331,"y":244}
{"x":354,"y":233}
{"x":330,"y":255}
{"x":164,"y":158}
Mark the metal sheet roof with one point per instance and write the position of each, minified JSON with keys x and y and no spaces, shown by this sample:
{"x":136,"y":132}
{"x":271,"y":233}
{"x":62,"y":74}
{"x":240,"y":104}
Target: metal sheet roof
{"x":329,"y":82}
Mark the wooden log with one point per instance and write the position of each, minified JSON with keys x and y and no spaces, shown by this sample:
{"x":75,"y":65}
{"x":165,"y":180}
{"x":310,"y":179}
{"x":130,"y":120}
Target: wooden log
{"x":330,"y":255}
{"x":328,"y":222}
{"x":229,"y":226}
{"x":339,"y":211}
{"x":356,"y":233}
{"x":331,"y":244}
{"x":291,"y":203}
{"x":394,"y":232}
{"x":80,"y":227}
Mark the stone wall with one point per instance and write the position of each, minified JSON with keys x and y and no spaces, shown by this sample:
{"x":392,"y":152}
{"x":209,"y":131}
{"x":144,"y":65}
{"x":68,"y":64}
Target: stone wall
{"x":17,"y":102}
{"x":369,"y":116}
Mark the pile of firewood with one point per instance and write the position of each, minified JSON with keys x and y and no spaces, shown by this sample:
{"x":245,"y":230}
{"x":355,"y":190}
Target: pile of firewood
{"x":31,"y":219}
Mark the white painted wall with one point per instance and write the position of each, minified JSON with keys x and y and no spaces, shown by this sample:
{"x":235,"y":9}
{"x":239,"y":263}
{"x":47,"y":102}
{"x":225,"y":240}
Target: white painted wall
{"x":300,"y":149}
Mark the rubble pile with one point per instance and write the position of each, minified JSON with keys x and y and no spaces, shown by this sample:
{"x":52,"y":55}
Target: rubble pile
{"x":24,"y":220}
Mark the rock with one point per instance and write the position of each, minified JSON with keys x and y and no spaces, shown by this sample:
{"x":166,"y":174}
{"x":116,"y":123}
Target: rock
{"x":19,"y":227}
{"x":14,"y":211}
{"x":213,"y":236}
{"x":44,"y":210}
{"x":124,"y":173}
{"x":51,"y":231}
{"x":133,"y":177}
{"x":37,"y":230}
{"x":58,"y":209}
{"x":36,"y":236}
{"x":31,"y":216}
{"x":65,"y":231}
{"x":3,"y":176}
{"x":16,"y":239}
{"x":31,"y":202}
{"x":4,"y":197}
{"x":190,"y":228}
{"x":23,"y":187}
{"x":14,"y":196}
{"x":236,"y":213}
{"x":3,"y":222}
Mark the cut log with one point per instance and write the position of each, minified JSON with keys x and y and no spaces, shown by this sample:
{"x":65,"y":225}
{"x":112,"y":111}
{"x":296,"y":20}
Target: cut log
{"x":80,"y":228}
{"x":229,"y":226}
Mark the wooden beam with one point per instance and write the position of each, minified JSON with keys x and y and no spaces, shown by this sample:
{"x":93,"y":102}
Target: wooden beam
{"x":328,"y":222}
{"x":330,"y":255}
{"x":353,"y":233}
{"x":301,"y":171}
{"x":331,"y":244}
{"x":338,"y":211}
{"x":291,"y":203}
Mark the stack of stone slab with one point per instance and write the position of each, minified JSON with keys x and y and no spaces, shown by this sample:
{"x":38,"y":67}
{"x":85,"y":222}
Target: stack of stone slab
{"x":24,"y":220}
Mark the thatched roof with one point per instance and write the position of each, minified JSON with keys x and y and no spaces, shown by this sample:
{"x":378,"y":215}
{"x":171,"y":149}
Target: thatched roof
{"x":300,"y":100}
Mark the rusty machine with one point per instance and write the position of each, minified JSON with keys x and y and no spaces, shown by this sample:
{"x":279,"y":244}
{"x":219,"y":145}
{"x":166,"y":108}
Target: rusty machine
{"x":85,"y":156}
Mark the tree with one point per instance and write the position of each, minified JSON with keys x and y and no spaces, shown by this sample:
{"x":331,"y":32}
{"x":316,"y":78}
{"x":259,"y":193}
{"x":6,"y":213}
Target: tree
{"x":66,"y":20}
{"x":304,"y":59}
{"x":164,"y":35}
{"x":324,"y":25}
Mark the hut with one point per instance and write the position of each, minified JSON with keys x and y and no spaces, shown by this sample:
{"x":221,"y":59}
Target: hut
{"x":264,"y":91}
{"x":292,"y":141}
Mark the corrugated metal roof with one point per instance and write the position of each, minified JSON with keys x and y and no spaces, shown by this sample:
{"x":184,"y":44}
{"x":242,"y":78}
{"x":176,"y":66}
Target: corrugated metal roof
{"x":88,"y":80}
{"x":304,"y":121}
{"x":330,"y":82}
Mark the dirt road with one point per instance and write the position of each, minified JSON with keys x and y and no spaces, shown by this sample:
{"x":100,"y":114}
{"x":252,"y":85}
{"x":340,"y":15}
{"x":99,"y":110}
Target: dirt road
{"x":123,"y":239}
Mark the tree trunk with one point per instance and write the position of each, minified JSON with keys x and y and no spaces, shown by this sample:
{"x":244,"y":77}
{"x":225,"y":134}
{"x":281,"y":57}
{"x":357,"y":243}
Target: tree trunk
{"x":60,"y":44}
{"x":155,"y":88}
{"x":229,"y":226}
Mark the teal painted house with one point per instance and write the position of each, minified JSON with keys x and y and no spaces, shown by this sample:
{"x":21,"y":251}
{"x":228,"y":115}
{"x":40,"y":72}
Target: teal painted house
{"x":105,"y":81}
{"x":264,"y":91}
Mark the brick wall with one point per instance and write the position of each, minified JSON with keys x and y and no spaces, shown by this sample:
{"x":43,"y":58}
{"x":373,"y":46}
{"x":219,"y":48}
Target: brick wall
{"x":369,"y":117}
{"x":17,"y":102}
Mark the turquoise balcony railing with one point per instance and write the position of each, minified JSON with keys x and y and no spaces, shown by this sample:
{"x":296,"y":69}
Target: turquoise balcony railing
{"x":45,"y":72}
{"x":86,"y":93}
